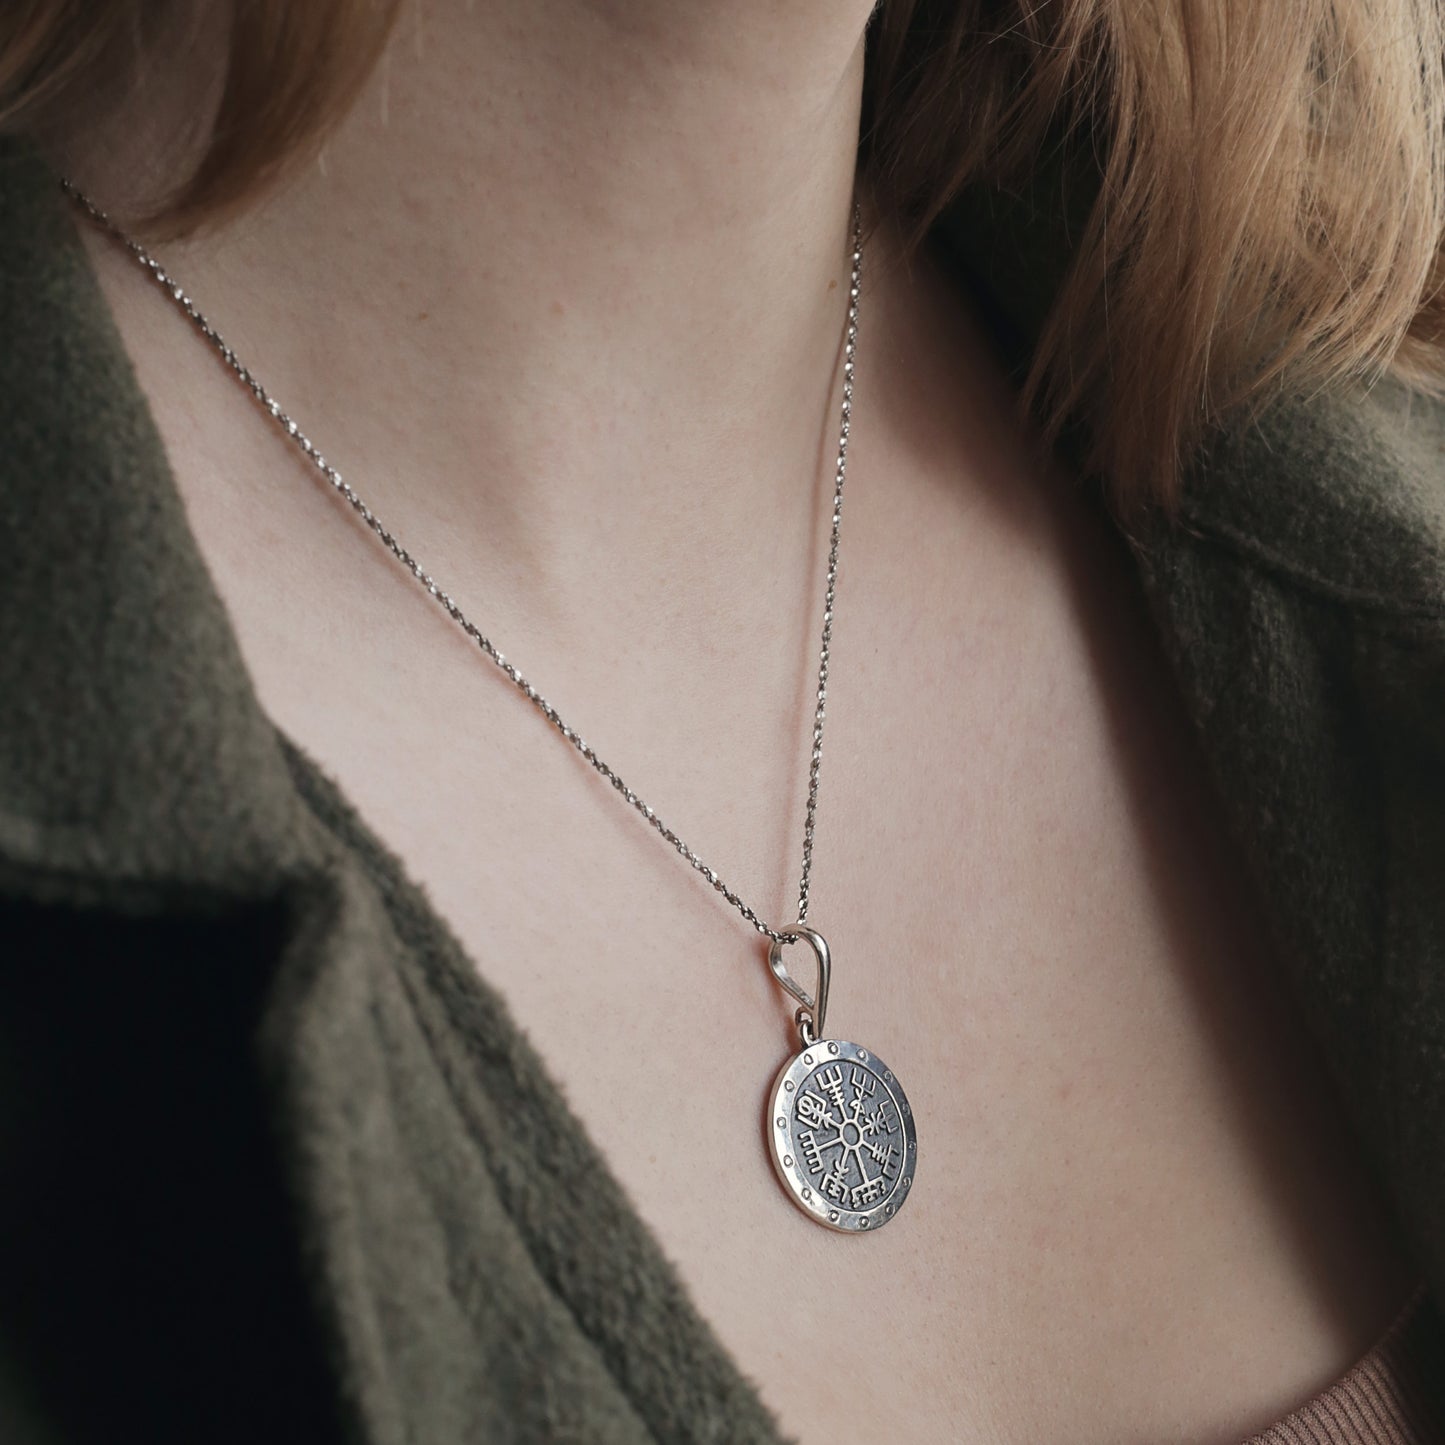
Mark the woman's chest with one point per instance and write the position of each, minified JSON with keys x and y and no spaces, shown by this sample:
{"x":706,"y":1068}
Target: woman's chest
{"x":1134,"y":1215}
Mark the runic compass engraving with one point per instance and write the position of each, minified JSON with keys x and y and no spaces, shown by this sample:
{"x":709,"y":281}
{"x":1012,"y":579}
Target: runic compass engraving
{"x":839,"y":1126}
{"x":842,"y":1136}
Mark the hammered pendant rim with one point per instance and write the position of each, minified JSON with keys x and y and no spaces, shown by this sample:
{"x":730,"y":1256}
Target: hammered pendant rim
{"x":791,"y":1153}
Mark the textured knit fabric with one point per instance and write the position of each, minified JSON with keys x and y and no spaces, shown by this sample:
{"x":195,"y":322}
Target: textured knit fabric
{"x":1394,"y":1396}
{"x":274,"y":1162}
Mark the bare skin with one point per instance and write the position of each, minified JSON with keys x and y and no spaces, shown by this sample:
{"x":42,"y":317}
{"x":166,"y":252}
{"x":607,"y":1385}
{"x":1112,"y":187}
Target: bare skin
{"x":563,"y":302}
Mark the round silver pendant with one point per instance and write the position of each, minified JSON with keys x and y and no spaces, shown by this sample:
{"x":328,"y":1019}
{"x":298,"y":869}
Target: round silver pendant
{"x":841,"y":1136}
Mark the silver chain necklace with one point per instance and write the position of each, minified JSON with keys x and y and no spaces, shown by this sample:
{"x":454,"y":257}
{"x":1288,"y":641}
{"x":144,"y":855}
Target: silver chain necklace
{"x":840,"y":1128}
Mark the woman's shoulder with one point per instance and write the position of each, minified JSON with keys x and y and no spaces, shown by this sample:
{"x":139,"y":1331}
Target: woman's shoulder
{"x":1298,"y":593}
{"x":126,"y":714}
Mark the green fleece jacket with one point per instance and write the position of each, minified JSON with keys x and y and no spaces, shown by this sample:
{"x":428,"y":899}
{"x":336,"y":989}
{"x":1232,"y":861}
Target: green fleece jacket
{"x":274,"y":1162}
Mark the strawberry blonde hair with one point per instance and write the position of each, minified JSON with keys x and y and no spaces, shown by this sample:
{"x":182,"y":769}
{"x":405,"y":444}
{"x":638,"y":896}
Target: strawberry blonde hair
{"x":1266,"y":194}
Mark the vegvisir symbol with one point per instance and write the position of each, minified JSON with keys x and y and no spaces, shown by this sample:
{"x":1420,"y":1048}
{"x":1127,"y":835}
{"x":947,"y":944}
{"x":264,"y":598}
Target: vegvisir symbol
{"x":841,"y":1134}
{"x":844,"y":1141}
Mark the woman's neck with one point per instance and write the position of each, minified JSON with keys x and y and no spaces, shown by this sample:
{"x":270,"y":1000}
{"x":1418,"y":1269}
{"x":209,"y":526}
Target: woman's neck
{"x":567,"y":261}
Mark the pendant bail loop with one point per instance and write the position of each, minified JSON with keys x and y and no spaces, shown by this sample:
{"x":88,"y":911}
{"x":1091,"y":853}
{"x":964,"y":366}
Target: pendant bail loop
{"x":814,"y":1009}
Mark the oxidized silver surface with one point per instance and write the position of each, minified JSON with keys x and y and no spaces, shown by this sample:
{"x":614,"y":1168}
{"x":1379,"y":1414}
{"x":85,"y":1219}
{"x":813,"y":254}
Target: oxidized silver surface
{"x":841,"y":1134}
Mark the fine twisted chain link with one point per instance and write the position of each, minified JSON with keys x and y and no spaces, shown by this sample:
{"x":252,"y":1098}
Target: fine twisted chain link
{"x":178,"y":295}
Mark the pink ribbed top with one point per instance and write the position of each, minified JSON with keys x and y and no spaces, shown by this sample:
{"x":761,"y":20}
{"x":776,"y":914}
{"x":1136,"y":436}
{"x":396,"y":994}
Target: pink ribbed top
{"x":1394,"y":1396}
